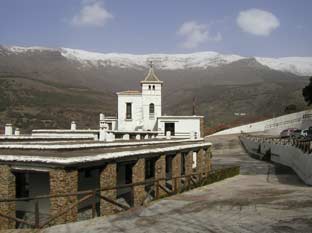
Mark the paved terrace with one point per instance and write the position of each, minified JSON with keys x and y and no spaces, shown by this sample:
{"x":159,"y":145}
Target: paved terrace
{"x":264,"y":198}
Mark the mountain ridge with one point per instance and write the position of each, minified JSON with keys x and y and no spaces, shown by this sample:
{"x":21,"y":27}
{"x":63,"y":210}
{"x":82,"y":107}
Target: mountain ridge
{"x":301,"y":66}
{"x":43,"y":88}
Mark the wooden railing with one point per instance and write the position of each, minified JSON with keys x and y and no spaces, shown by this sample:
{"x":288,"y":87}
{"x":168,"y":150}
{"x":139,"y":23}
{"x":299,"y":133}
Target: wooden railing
{"x":190,"y":181}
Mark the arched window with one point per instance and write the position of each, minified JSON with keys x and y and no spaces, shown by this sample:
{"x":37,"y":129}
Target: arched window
{"x":153,"y":87}
{"x":152,"y":111}
{"x":149,"y":87}
{"x":152,"y":108}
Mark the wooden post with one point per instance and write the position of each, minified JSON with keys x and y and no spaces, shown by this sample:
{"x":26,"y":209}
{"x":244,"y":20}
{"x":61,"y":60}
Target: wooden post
{"x":175,"y":189}
{"x":94,"y":204}
{"x":37,"y":218}
{"x":157,"y":189}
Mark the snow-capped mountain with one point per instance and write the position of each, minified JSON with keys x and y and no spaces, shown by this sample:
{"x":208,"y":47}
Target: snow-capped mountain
{"x":301,"y":66}
{"x":51,"y":87}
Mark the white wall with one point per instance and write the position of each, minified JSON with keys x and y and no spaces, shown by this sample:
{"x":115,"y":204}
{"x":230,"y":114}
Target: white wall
{"x":275,"y":125}
{"x":183,"y":126}
{"x":151,"y":96}
{"x":58,"y":133}
{"x":136,"y":122}
{"x":286,"y":155}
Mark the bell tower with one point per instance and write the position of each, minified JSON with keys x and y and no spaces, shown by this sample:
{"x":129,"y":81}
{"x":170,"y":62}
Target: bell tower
{"x":151,"y":99}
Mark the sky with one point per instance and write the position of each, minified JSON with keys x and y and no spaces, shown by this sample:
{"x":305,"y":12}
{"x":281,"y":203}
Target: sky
{"x":266,"y":28}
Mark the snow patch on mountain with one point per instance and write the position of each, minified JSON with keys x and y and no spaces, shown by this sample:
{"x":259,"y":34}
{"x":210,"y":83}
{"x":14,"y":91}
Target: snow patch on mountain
{"x":18,"y":49}
{"x":297,"y":65}
{"x":161,"y":61}
{"x":301,"y":66}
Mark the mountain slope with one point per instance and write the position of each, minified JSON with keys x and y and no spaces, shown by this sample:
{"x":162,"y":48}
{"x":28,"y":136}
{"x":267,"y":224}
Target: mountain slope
{"x":301,"y":66}
{"x":50,"y":87}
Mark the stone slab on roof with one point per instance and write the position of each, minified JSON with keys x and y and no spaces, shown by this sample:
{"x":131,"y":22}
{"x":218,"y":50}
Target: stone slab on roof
{"x":129,"y":92}
{"x":65,"y":158}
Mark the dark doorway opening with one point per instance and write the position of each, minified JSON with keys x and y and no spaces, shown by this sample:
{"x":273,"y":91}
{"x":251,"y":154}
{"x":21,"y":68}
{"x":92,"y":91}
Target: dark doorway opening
{"x":170,"y":127}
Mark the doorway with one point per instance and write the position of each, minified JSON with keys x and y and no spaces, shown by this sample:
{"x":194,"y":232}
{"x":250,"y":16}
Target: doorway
{"x":169,"y":126}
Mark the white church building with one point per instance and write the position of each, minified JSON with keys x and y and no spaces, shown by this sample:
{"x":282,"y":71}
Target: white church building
{"x":142,"y":111}
{"x":139,"y":116}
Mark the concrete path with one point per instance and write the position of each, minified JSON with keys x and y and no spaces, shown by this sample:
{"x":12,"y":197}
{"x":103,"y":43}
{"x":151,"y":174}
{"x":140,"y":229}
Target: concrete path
{"x":264,"y":198}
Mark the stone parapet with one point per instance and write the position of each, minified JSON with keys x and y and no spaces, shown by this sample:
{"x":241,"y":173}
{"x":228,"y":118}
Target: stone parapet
{"x":7,"y":190}
{"x":63,"y":181}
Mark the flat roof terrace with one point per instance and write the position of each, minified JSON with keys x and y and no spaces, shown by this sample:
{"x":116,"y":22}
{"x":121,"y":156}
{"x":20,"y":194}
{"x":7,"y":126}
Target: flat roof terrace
{"x":69,"y":154}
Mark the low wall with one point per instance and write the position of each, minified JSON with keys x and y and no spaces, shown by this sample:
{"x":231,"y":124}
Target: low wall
{"x":275,"y":125}
{"x":90,"y":133}
{"x":283,"y":152}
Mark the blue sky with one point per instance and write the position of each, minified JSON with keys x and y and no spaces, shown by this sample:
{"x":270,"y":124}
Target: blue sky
{"x":270,"y":28}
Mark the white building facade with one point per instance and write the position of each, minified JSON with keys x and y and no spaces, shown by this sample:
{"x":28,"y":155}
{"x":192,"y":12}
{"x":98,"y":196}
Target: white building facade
{"x":142,"y":111}
{"x":139,"y":110}
{"x":139,"y":117}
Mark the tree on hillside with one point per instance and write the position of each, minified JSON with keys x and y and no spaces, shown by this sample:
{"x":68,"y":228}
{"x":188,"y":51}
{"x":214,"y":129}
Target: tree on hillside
{"x":307,"y":93}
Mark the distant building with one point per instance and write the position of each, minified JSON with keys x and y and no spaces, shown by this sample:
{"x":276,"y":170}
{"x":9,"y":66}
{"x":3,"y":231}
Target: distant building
{"x":139,"y":110}
{"x":142,"y":110}
{"x":139,"y":117}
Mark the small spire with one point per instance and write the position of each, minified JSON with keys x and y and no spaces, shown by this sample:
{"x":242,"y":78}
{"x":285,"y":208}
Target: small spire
{"x":151,"y":76}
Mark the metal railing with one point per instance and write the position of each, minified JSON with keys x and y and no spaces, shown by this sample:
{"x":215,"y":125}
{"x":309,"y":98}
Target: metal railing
{"x":304,"y":144}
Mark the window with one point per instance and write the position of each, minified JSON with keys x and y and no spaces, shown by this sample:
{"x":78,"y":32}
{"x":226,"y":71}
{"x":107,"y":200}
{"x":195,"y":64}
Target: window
{"x":153,"y":87}
{"x":22,"y":184}
{"x":152,"y":108}
{"x":152,"y":111}
{"x":128,"y":111}
{"x":128,"y":173}
{"x":149,"y":168}
{"x":149,"y":87}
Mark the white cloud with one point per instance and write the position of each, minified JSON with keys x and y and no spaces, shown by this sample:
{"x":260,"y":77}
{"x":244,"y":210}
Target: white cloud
{"x":92,"y":13}
{"x":257,"y":22}
{"x":195,"y":34}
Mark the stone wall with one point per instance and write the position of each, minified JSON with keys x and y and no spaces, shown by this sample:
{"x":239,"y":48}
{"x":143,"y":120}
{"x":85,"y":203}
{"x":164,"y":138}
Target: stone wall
{"x":63,"y":181}
{"x":188,"y":158}
{"x":7,"y":190}
{"x":160,"y":173}
{"x":200,"y":162}
{"x":138,"y":175}
{"x":108,"y":178}
{"x":176,"y":172}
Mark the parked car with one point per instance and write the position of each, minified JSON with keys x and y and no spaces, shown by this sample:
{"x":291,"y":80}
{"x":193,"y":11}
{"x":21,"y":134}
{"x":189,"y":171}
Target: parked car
{"x":304,"y":132}
{"x":286,"y":133}
{"x":297,"y":133}
{"x":307,"y":133}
